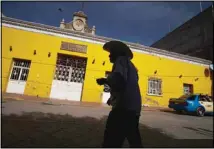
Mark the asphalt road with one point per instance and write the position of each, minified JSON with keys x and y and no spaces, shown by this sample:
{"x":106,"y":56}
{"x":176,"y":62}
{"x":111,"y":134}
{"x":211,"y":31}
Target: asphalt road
{"x":180,"y":126}
{"x":174,"y":125}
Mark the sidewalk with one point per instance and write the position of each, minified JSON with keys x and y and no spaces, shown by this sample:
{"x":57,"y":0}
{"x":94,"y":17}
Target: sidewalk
{"x":18,"y":97}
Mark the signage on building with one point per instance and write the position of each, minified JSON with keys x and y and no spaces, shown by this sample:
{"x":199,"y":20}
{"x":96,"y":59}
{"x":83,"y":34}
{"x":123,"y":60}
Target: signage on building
{"x":73,"y":47}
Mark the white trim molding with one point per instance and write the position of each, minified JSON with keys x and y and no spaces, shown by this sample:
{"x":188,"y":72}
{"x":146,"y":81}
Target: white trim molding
{"x":64,"y":33}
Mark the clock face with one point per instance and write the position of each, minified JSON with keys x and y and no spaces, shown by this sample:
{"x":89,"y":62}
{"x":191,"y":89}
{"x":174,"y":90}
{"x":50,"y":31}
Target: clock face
{"x":78,"y":25}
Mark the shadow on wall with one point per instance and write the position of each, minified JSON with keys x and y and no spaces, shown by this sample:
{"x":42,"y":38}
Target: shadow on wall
{"x":49,"y":130}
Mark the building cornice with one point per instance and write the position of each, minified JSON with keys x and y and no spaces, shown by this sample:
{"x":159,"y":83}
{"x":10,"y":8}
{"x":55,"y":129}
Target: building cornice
{"x":102,"y":40}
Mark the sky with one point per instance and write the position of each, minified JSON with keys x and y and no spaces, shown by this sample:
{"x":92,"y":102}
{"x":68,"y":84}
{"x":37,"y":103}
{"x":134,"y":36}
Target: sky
{"x":138,"y":22}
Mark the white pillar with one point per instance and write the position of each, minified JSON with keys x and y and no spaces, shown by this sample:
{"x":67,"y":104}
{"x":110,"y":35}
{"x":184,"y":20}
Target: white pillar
{"x":93,"y":30}
{"x":62,"y":24}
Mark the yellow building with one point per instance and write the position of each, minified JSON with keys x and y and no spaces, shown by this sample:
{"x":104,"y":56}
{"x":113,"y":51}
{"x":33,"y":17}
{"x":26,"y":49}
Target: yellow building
{"x":64,"y":62}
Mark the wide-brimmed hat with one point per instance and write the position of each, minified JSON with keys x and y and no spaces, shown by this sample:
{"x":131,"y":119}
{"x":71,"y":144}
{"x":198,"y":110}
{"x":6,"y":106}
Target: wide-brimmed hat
{"x":118,"y":48}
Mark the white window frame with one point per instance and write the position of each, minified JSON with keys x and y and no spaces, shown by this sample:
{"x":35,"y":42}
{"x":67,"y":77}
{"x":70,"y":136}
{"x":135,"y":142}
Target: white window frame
{"x":154,"y":87}
{"x":72,"y":72}
{"x":187,"y":89}
{"x":27,"y":67}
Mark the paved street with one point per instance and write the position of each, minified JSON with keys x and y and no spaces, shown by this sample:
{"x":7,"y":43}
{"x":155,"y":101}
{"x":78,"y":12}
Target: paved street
{"x":167,"y":123}
{"x":180,"y":126}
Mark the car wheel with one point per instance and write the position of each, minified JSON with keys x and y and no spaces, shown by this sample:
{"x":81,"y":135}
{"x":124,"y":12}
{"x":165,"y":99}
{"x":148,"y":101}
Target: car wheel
{"x":200,"y":111}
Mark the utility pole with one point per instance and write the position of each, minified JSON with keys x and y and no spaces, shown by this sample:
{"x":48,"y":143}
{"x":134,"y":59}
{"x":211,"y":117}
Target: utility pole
{"x":201,"y":6}
{"x":82,"y":7}
{"x":212,"y":11}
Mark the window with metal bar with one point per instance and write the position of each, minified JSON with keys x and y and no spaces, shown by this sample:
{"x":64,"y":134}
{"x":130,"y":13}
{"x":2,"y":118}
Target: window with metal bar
{"x":187,"y":89}
{"x":154,"y":86}
{"x":20,"y":70}
{"x":70,"y":69}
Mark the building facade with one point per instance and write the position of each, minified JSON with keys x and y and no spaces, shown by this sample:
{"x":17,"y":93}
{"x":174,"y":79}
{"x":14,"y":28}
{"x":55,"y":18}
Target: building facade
{"x":62,"y":63}
{"x":194,"y":38}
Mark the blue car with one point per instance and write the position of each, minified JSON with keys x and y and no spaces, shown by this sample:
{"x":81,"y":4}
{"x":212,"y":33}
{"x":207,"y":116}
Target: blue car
{"x":198,"y":104}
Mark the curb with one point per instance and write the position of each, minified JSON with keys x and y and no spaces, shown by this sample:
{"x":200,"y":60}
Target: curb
{"x":5,"y":99}
{"x":11,"y":98}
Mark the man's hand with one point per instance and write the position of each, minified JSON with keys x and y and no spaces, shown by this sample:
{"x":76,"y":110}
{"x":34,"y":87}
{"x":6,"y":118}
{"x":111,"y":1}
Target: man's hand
{"x":101,"y":81}
{"x":109,"y":102}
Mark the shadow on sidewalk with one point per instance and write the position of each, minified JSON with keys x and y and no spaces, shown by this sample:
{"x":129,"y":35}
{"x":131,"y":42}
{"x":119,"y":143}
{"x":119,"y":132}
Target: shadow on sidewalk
{"x":49,"y":130}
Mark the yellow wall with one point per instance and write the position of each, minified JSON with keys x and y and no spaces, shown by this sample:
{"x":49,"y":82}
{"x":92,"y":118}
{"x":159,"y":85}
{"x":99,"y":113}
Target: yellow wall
{"x":43,"y":67}
{"x":169,"y":70}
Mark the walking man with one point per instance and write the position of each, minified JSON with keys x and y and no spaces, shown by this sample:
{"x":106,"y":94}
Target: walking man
{"x":123,"y":119}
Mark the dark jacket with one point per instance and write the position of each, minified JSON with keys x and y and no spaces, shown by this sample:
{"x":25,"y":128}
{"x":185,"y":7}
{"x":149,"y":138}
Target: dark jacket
{"x":123,"y":82}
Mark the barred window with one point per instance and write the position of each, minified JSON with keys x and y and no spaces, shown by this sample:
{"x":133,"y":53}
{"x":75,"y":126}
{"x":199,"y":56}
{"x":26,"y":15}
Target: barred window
{"x":154,"y":86}
{"x":188,"y":89}
{"x":20,"y":70}
{"x":70,"y":69}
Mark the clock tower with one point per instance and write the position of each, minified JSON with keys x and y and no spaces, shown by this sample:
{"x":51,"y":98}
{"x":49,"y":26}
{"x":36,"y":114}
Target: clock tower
{"x":79,"y":23}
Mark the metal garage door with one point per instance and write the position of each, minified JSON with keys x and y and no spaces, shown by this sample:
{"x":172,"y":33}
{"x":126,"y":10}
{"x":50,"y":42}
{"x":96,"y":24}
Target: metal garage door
{"x":68,"y":78}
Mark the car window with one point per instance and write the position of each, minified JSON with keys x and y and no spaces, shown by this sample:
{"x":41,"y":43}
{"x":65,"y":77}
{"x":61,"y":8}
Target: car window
{"x":191,"y":97}
{"x":205,"y":98}
{"x":209,"y":98}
